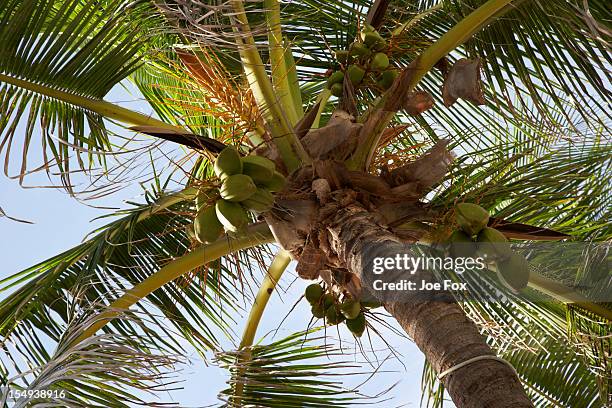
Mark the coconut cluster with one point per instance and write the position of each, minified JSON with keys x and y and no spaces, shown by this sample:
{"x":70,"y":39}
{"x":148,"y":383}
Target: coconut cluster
{"x":475,"y":238}
{"x":329,"y":306}
{"x":247,"y":184}
{"x":366,"y":61}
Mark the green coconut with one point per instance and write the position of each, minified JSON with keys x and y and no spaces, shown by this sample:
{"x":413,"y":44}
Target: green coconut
{"x":513,"y":272}
{"x":260,"y":202}
{"x":359,"y":50}
{"x":237,"y":188}
{"x":275,"y":184}
{"x":336,"y":78}
{"x":342,"y":56}
{"x":232,"y":215}
{"x":471,"y":218}
{"x":493,"y":244}
{"x":260,"y":169}
{"x":333,"y":316}
{"x":379,"y":61}
{"x":386,"y":78}
{"x":355,"y":74}
{"x":350,"y":308}
{"x":313,"y":293}
{"x":336,"y":90}
{"x":317,"y":311}
{"x":228,"y":163}
{"x":357,"y":325}
{"x":461,"y":245}
{"x":206,"y":225}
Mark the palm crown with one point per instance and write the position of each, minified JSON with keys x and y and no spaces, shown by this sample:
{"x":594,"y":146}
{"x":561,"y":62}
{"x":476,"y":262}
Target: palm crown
{"x":528,"y":141}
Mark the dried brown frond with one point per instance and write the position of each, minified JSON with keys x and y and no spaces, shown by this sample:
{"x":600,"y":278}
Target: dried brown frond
{"x":226,"y":99}
{"x":393,"y":158}
{"x":210,"y":23}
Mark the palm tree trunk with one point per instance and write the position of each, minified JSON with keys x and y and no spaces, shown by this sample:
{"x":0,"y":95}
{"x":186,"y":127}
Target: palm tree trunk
{"x":439,"y":327}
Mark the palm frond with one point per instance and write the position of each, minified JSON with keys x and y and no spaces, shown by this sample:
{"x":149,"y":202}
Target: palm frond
{"x":561,"y":186}
{"x":194,"y":88}
{"x":296,"y":371}
{"x":531,"y":332}
{"x":81,"y":48}
{"x":106,"y":370}
{"x":119,"y":256}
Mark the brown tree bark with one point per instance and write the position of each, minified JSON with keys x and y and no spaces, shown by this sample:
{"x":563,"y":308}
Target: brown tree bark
{"x":439,"y":327}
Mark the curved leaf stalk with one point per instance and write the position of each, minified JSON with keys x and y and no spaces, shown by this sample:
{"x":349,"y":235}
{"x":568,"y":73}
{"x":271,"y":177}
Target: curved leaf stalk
{"x":254,"y":235}
{"x":453,"y":38}
{"x":565,"y":294}
{"x":280,"y":78}
{"x":275,"y":271}
{"x":459,"y":34}
{"x":294,"y":82}
{"x":322,"y":99}
{"x":290,"y":148}
{"x":101,"y":107}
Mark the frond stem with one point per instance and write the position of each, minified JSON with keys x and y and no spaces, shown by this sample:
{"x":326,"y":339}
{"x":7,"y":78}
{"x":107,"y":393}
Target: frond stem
{"x":280,"y":79}
{"x":101,"y":107}
{"x":565,"y":294}
{"x":275,"y":271}
{"x":453,"y":38}
{"x":283,"y":136}
{"x":255,"y":234}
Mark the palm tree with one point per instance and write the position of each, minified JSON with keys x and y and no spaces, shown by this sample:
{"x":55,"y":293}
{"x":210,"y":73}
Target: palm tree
{"x":369,"y":168}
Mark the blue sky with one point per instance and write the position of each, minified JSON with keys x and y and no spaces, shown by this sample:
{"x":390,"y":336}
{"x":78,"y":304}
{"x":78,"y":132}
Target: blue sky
{"x":61,"y":222}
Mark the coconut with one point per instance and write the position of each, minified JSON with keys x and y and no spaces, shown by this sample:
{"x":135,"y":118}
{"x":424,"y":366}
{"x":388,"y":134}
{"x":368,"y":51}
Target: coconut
{"x":342,"y":56}
{"x":228,"y":163}
{"x":492,"y":244}
{"x":237,"y":188}
{"x":357,"y":325}
{"x":513,"y":272}
{"x":386,"y":78}
{"x":206,"y":226}
{"x":333,"y":316}
{"x":276,"y":183}
{"x":336,"y":90}
{"x":336,"y":78}
{"x":355,"y":74}
{"x":260,"y":169}
{"x":350,"y":309}
{"x":373,"y":39}
{"x":471,"y":218}
{"x":232,"y":215}
{"x":260,"y":202}
{"x":379,"y":61}
{"x":461,"y":245}
{"x":317,"y":311}
{"x":313,"y":293}
{"x":359,"y":50}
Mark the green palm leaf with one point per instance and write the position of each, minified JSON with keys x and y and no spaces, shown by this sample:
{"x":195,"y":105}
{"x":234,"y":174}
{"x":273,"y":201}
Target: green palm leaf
{"x":106,"y":370}
{"x":119,"y":256}
{"x":53,"y":57}
{"x":295,"y":371}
